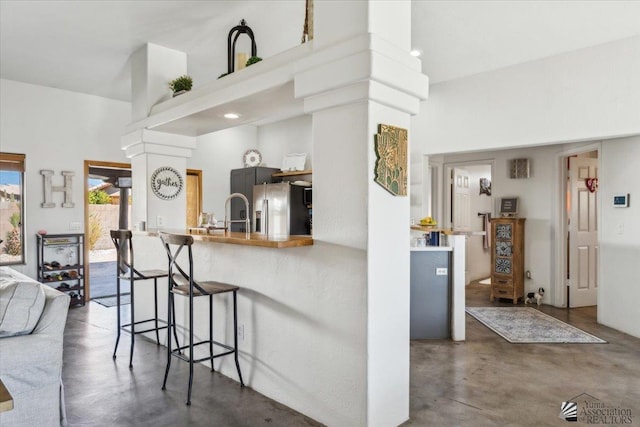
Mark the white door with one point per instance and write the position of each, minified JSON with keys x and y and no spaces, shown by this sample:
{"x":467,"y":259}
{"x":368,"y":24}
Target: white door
{"x":583,"y":234}
{"x":460,"y":200}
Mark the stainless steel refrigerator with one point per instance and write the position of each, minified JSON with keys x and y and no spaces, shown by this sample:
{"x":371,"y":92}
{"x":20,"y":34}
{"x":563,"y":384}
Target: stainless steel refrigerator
{"x":280,"y":209}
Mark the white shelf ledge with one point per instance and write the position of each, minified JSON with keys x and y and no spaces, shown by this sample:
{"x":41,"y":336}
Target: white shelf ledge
{"x":262,"y":93}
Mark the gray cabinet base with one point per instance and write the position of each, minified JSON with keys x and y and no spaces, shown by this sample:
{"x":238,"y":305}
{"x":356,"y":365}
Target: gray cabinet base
{"x":430,"y":296}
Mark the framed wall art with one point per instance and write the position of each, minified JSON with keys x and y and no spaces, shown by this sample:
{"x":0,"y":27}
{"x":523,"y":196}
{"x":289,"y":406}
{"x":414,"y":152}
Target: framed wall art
{"x":485,"y":186}
{"x":166,"y":183}
{"x":391,"y":159}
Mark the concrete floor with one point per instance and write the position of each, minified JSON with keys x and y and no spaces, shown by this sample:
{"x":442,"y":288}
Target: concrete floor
{"x":103,"y":280}
{"x":488,"y":381}
{"x":100,"y":391}
{"x":485,"y":381}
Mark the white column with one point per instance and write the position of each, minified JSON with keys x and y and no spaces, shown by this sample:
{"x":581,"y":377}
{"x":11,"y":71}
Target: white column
{"x":148,"y":151}
{"x":360,"y":76}
{"x":457,"y":271}
{"x":152,"y":68}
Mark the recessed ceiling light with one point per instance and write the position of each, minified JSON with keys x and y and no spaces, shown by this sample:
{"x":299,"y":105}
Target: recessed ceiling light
{"x":415,"y":52}
{"x":232,"y":116}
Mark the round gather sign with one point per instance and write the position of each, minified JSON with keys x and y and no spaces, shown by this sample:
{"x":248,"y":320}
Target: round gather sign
{"x":166,"y":183}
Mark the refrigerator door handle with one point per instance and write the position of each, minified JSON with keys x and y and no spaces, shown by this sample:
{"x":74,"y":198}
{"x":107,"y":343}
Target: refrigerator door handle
{"x":265,"y":210}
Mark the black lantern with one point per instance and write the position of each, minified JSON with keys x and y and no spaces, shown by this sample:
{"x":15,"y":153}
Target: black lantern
{"x":235,"y":32}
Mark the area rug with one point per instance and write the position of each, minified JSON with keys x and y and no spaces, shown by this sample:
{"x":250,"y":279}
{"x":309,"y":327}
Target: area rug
{"x":529,"y":325}
{"x":112,"y":301}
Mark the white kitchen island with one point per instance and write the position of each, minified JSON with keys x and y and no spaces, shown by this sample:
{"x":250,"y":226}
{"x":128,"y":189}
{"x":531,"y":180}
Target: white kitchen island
{"x":293,"y":305}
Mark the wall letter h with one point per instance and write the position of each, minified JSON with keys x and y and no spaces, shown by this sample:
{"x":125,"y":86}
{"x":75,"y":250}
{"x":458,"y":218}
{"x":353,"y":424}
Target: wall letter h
{"x":67,"y":189}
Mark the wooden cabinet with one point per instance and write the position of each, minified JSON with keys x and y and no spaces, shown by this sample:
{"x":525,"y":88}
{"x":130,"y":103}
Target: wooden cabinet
{"x":507,"y":258}
{"x":61,"y":265}
{"x":242,"y":181}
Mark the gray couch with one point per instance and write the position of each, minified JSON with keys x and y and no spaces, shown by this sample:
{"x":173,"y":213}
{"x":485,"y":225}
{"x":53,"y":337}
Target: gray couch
{"x":31,"y":364}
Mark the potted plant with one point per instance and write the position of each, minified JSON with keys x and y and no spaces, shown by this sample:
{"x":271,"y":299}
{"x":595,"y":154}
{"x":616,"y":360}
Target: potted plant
{"x":181,"y":85}
{"x":253,"y":60}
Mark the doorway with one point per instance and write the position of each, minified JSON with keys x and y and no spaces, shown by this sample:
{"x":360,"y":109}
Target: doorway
{"x":581,"y":221}
{"x":468,"y":207}
{"x":107,"y":207}
{"x":111,"y":182}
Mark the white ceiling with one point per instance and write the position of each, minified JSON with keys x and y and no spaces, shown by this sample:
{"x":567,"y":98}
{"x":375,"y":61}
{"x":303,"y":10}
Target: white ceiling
{"x":84,"y":46}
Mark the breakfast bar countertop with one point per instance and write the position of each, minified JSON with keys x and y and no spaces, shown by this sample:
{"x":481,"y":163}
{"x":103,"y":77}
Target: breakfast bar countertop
{"x":446,"y":231}
{"x":239,"y":238}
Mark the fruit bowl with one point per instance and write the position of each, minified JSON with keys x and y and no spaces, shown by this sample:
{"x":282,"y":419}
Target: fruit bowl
{"x":428,"y":222}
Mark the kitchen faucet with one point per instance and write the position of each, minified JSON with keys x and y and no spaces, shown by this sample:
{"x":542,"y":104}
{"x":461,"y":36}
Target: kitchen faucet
{"x":228,"y":222}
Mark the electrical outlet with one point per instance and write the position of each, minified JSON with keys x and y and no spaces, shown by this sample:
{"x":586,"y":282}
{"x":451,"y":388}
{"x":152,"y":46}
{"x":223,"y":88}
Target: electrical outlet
{"x":159,"y":221}
{"x":75,"y":226}
{"x":441,"y":271}
{"x":241,"y":332}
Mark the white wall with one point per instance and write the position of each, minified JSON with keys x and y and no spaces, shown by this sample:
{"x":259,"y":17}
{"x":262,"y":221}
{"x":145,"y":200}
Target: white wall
{"x":57,"y":130}
{"x":388,"y":288}
{"x":303,"y":312}
{"x":587,"y":94}
{"x":537,"y":205}
{"x":288,"y":136}
{"x":157,"y":212}
{"x":216,"y":154}
{"x":619,"y":290}
{"x":619,"y":269}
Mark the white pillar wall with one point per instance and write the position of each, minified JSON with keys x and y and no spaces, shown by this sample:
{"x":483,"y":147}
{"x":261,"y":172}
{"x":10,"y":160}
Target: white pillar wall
{"x":361,"y":76}
{"x":153,"y":67}
{"x":148,"y":151}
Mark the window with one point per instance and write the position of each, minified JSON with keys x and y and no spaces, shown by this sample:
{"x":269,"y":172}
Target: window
{"x":11,"y":208}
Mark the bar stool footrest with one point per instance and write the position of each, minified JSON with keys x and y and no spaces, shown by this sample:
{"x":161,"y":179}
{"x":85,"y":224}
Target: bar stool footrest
{"x":177,"y":352}
{"x":127,"y":327}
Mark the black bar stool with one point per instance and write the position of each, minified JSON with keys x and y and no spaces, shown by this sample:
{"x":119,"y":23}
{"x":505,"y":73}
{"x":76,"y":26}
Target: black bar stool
{"x":125,"y":271}
{"x":183,"y":283}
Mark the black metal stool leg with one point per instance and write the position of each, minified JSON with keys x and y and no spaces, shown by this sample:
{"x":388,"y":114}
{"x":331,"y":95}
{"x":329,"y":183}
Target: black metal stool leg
{"x":235,"y":336}
{"x":175,"y":332}
{"x":190,"y":347}
{"x":169,"y":318}
{"x":115,"y":349}
{"x":133,"y":326}
{"x":211,"y":330}
{"x":155,"y":308}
